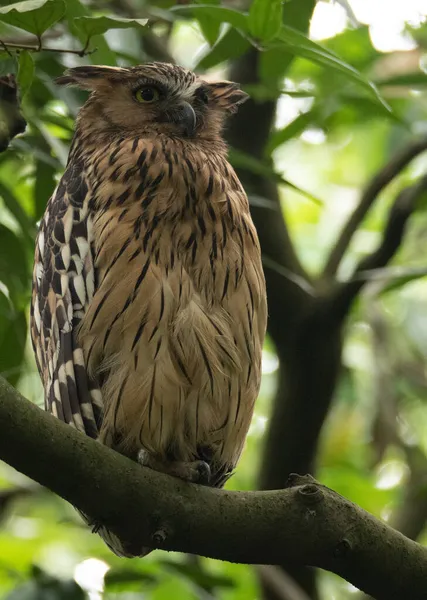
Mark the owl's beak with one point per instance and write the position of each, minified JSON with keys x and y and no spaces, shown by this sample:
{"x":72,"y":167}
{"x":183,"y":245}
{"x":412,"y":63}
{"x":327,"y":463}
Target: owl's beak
{"x":185,"y":116}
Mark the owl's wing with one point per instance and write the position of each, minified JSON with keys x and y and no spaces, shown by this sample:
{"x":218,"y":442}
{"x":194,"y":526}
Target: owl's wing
{"x":63,"y":286}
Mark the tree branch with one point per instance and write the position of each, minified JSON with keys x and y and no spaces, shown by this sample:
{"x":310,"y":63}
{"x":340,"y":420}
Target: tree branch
{"x":280,"y":583}
{"x":303,"y":524}
{"x":377,"y":184}
{"x":6,"y":46}
{"x":400,"y":212}
{"x":410,"y":516}
{"x":249,"y":132}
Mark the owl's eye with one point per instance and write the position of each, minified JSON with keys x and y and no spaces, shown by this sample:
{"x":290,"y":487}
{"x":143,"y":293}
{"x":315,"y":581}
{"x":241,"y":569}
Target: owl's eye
{"x":147,"y":94}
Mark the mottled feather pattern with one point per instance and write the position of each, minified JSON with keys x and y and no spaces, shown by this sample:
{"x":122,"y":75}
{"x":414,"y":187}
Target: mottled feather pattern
{"x":149,"y":306}
{"x":165,"y":331}
{"x":63,"y":285}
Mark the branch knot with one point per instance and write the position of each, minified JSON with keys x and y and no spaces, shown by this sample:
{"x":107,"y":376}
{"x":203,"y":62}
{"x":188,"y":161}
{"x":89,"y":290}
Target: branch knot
{"x":342,"y":549}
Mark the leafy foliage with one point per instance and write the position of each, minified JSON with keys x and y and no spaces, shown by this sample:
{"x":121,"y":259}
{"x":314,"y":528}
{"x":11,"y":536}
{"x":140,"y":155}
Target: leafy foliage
{"x":34,"y":16}
{"x":342,"y":108}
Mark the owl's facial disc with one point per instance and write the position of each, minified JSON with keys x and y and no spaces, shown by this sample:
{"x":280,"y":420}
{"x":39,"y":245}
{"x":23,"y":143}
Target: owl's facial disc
{"x":183,"y":116}
{"x":165,"y":105}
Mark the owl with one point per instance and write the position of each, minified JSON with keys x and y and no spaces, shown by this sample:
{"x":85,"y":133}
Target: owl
{"x":149,"y":305}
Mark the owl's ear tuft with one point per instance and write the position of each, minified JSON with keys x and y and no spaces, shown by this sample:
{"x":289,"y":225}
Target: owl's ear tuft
{"x":90,"y":77}
{"x":227,"y":95}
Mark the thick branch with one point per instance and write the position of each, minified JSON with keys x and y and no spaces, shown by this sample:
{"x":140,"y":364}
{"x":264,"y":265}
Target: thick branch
{"x":400,"y":212}
{"x":303,"y":524}
{"x":249,"y":131}
{"x":377,"y":184}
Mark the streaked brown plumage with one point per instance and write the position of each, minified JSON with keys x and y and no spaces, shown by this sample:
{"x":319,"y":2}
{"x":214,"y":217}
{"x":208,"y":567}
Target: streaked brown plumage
{"x":149,"y":304}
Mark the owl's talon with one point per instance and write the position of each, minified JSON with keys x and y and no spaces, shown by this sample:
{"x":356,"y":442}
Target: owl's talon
{"x":143,"y":458}
{"x":197,"y":471}
{"x":203,"y":472}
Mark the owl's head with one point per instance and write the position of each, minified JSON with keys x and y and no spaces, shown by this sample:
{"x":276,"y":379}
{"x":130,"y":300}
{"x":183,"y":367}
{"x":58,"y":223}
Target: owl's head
{"x":154,"y":98}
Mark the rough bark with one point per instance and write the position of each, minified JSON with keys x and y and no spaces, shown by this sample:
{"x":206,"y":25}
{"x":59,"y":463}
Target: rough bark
{"x":303,"y":524}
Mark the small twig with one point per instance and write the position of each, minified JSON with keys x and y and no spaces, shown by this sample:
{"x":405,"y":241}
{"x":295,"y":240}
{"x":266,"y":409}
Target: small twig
{"x":6,"y":49}
{"x":86,"y":46}
{"x":400,"y":212}
{"x":387,"y":275}
{"x":298,"y":280}
{"x":377,"y":184}
{"x":39,"y":48}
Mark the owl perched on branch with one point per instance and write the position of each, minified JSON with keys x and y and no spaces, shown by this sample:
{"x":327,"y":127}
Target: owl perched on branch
{"x":149,"y":304}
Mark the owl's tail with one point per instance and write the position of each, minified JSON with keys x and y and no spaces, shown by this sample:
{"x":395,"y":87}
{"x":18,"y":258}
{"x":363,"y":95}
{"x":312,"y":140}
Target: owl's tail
{"x":119,"y":547}
{"x":116,"y":545}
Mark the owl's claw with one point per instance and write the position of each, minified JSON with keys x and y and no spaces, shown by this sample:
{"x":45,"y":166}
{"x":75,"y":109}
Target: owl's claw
{"x":204,"y":472}
{"x":197,"y":471}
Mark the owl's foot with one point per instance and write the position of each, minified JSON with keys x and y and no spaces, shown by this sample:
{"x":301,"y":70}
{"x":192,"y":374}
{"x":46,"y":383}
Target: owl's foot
{"x":197,"y":471}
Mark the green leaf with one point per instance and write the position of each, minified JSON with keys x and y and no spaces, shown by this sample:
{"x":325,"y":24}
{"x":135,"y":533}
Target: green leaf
{"x":265,"y":19}
{"x":355,"y":47}
{"x":242,"y":160}
{"x":294,"y":128}
{"x":418,"y":79}
{"x":8,"y":64}
{"x":43,"y":186}
{"x":210,"y":28}
{"x":218,"y":13}
{"x":230,"y":46}
{"x":13,"y":327}
{"x":14,"y":268}
{"x":59,"y":148}
{"x":91,"y":26}
{"x":274,"y":63}
{"x":102,"y":55}
{"x":34,"y":16}
{"x":421,"y":205}
{"x":354,"y":108}
{"x":29,"y":144}
{"x":47,"y":588}
{"x":117,"y":577}
{"x":13,"y":205}
{"x":200,"y":576}
{"x":25,"y":72}
{"x":297,"y":43}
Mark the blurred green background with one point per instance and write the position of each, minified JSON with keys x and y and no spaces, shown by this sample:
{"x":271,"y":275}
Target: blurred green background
{"x":333,"y":132}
